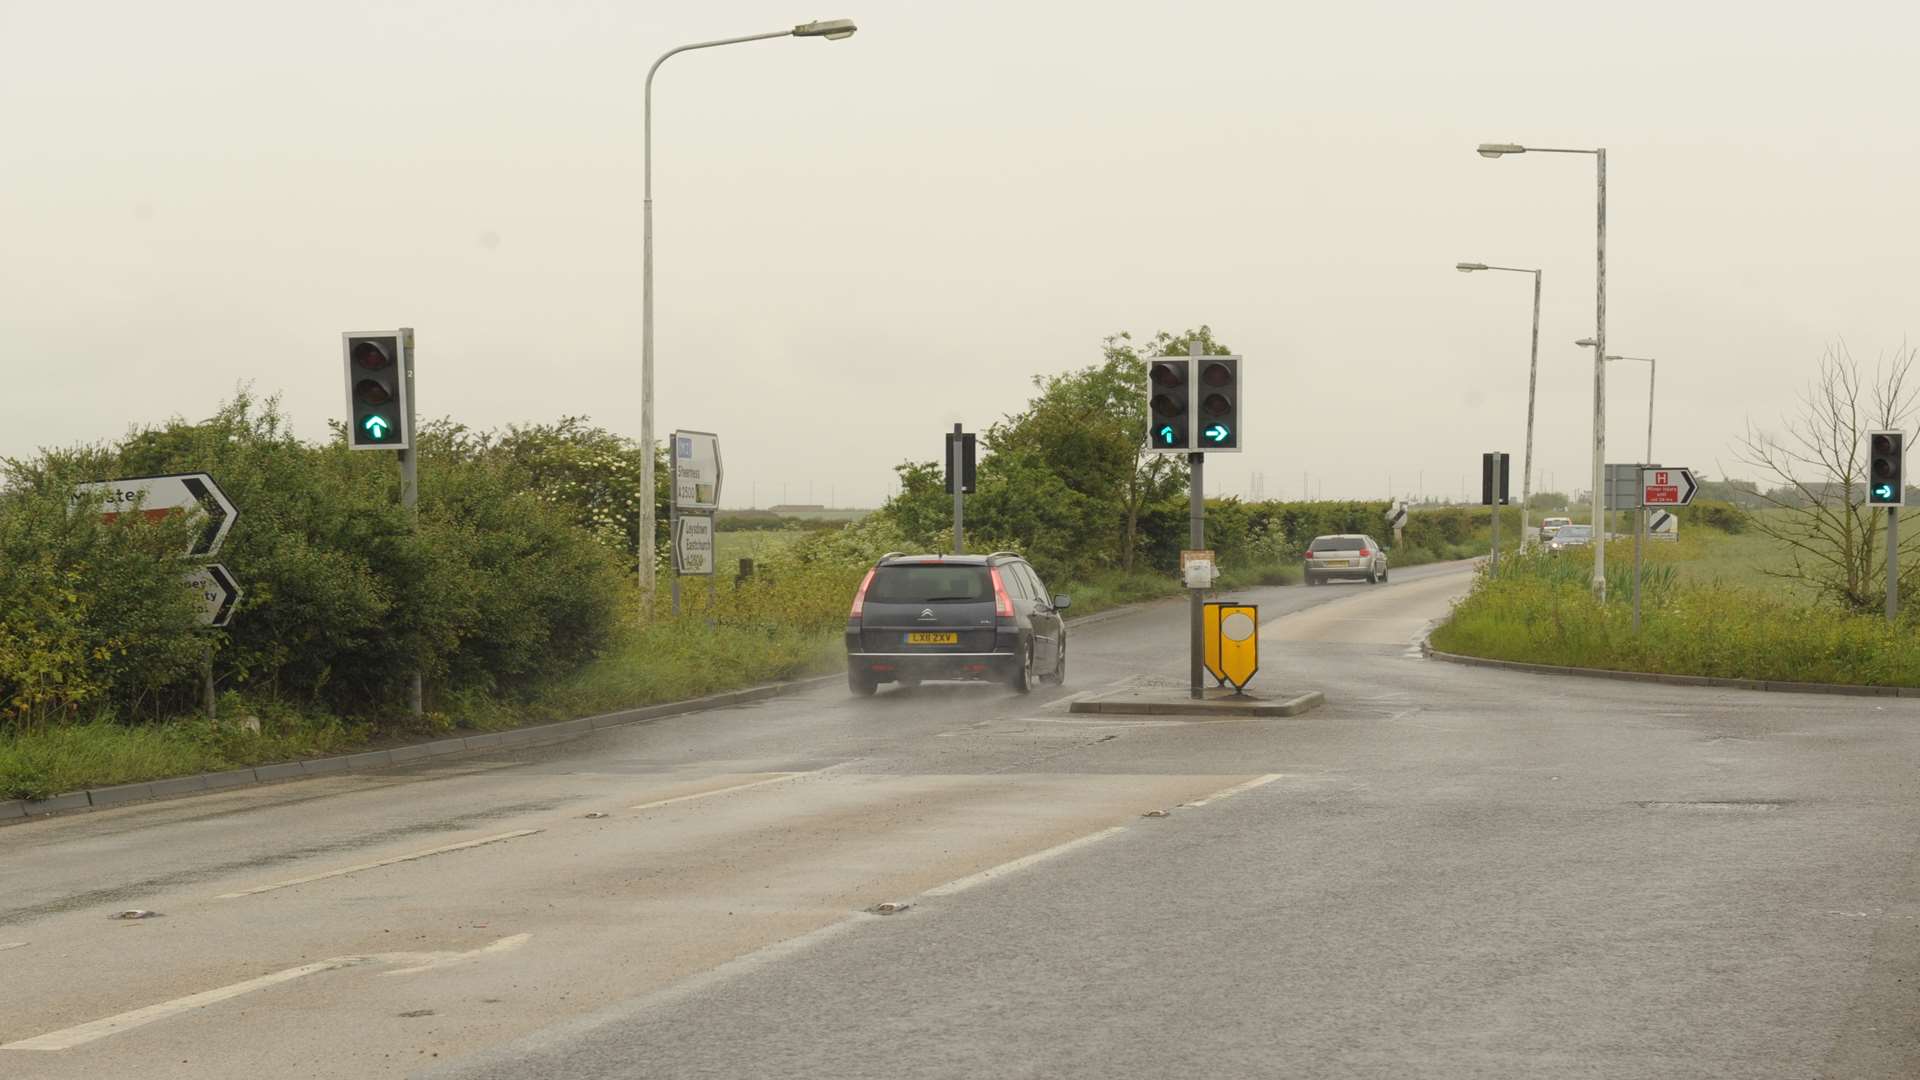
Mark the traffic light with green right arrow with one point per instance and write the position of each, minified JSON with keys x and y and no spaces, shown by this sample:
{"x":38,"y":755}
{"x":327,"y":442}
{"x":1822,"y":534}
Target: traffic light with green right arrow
{"x":1886,"y":468}
{"x":377,"y":368}
{"x":1217,"y":412}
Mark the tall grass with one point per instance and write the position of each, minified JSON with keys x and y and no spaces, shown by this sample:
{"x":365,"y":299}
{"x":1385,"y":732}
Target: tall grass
{"x":1540,"y":609}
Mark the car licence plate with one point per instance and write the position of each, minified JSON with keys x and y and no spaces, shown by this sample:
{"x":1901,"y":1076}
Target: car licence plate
{"x":933,"y":639}
{"x":1339,"y":562}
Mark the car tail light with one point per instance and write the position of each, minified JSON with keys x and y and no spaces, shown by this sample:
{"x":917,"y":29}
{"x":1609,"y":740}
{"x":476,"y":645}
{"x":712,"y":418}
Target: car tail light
{"x":1364,"y":553}
{"x":860,"y":598}
{"x":1002,"y":603}
{"x":1309,"y":554}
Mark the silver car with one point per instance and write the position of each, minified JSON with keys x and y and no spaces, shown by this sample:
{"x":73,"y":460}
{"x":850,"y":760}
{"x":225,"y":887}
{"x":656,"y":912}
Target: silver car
{"x":1347,"y":555}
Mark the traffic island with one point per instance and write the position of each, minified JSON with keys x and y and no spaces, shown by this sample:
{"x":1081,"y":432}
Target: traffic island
{"x":1216,"y":702}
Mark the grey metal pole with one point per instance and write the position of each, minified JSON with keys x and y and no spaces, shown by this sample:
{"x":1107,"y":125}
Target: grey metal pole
{"x":956,"y":465}
{"x":1533,"y":383}
{"x":1600,"y":383}
{"x":673,"y":525}
{"x":1653,"y":370}
{"x":1639,"y":531}
{"x":212,"y":702}
{"x":1893,"y":563}
{"x":410,"y":484}
{"x":1197,"y":537}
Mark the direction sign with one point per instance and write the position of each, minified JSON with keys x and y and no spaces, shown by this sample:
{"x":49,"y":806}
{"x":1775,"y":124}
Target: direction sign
{"x":217,"y":593}
{"x":696,"y":470}
{"x":1667,"y":487}
{"x":194,"y":494}
{"x":693,"y":545}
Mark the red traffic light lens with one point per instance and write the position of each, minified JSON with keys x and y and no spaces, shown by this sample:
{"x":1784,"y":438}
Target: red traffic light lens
{"x":370,"y":356}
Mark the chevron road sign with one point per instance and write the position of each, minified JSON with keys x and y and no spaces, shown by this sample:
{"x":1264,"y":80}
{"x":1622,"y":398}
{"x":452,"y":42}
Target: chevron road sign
{"x":194,"y":494}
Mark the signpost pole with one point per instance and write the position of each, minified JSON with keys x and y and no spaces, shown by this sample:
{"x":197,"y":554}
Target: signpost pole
{"x":1639,"y":534}
{"x":1893,"y":563}
{"x":673,"y":515}
{"x":1197,"y":540}
{"x":956,"y":468}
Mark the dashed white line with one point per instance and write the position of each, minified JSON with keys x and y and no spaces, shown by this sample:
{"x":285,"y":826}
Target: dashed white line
{"x":963,"y":884}
{"x":408,"y":857}
{"x":783,"y":777}
{"x":11,"y":945}
{"x":67,"y":1038}
{"x":1236,"y":789}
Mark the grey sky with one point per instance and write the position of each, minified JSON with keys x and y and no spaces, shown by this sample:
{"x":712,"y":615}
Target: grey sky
{"x":861,"y":242}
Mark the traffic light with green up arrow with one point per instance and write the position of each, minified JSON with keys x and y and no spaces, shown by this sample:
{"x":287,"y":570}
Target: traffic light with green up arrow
{"x":1886,"y":468}
{"x":377,"y":368}
{"x":1168,"y":412}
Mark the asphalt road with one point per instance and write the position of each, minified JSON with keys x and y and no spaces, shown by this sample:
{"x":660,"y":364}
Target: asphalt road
{"x":1446,"y":872}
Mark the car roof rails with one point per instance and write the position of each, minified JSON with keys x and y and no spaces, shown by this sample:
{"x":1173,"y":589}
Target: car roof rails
{"x":892,"y":555}
{"x":997,"y":554}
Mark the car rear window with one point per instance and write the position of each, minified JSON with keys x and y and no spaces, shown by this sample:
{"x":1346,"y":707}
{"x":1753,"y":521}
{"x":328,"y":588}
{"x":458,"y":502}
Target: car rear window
{"x":1337,"y":543}
{"x":930,"y":584}
{"x":1576,"y":530}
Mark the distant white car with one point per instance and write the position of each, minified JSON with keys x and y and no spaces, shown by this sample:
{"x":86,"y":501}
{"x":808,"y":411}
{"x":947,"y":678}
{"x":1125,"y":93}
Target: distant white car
{"x":1553,"y":525}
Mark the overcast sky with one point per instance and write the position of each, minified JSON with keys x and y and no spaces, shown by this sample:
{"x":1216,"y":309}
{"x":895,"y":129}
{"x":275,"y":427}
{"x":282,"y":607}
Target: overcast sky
{"x":861,"y":242}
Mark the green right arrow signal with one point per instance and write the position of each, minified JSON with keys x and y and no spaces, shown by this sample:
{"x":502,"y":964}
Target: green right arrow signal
{"x":1217,"y":433}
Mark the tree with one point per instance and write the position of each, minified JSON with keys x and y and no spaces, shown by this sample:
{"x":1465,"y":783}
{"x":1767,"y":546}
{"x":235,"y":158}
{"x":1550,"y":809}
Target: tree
{"x":1816,"y":469}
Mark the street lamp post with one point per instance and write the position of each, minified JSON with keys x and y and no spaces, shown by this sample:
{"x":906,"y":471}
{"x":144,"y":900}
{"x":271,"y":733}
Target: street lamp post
{"x":832,"y":30}
{"x":1494,"y":150}
{"x":1652,"y":370}
{"x":1533,"y":382}
{"x":1640,"y":519}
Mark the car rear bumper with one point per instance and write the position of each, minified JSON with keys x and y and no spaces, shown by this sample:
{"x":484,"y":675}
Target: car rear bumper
{"x":885,"y":667}
{"x":1324,"y":573}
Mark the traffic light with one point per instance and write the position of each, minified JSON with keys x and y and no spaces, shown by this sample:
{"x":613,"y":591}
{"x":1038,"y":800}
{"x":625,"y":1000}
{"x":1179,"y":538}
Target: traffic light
{"x":1218,"y":414}
{"x":1886,"y":468}
{"x":377,"y":413}
{"x":1167,"y":411}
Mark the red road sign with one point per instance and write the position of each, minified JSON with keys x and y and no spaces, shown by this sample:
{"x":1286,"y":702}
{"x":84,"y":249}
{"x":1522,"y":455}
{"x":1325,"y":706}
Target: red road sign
{"x":1667,"y":487}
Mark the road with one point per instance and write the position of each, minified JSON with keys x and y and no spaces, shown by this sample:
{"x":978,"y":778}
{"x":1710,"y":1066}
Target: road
{"x":1446,"y":872}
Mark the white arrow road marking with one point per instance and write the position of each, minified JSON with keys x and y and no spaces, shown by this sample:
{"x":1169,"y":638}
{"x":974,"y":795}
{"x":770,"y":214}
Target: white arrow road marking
{"x":408,"y":857}
{"x":68,"y":1038}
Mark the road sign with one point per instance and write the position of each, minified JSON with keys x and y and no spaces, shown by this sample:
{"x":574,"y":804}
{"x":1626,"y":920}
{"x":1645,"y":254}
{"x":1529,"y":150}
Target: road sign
{"x":1397,"y":516}
{"x":194,"y":494}
{"x":693,"y":545}
{"x":1495,"y":477}
{"x":1662,"y":525}
{"x":218,"y":593}
{"x":1198,"y":569}
{"x":1232,"y":642}
{"x":1667,"y":487}
{"x":696,"y":471}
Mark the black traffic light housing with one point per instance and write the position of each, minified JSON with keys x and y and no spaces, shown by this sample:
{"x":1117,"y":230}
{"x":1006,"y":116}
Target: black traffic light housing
{"x":1217,"y":410}
{"x":1169,"y":416}
{"x":1886,"y":468}
{"x":378,"y":416}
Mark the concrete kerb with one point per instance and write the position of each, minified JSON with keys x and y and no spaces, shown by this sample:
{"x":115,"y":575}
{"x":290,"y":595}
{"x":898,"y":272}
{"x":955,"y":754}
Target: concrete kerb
{"x":372,"y":760}
{"x":1769,"y":685}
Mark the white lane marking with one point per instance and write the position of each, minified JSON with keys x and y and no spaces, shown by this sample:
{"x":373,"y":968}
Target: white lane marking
{"x":68,"y":1038}
{"x":1236,"y":789}
{"x":782,"y":778}
{"x":408,"y":857}
{"x":984,"y":876}
{"x":11,"y":945}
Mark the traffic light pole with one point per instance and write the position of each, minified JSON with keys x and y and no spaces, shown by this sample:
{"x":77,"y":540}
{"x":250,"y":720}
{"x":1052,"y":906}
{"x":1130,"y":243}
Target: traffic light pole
{"x":1197,"y":540}
{"x":410,"y":488}
{"x":1893,"y":563}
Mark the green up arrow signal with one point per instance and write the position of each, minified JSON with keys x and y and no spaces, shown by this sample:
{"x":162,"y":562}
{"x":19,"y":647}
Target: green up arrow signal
{"x":1166,"y":434}
{"x":376,"y":426}
{"x":1217,"y":433}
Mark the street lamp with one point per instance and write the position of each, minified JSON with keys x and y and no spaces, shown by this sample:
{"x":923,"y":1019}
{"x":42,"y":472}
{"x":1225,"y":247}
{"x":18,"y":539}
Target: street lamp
{"x":832,"y":30}
{"x":1494,"y":150}
{"x":1533,"y":382}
